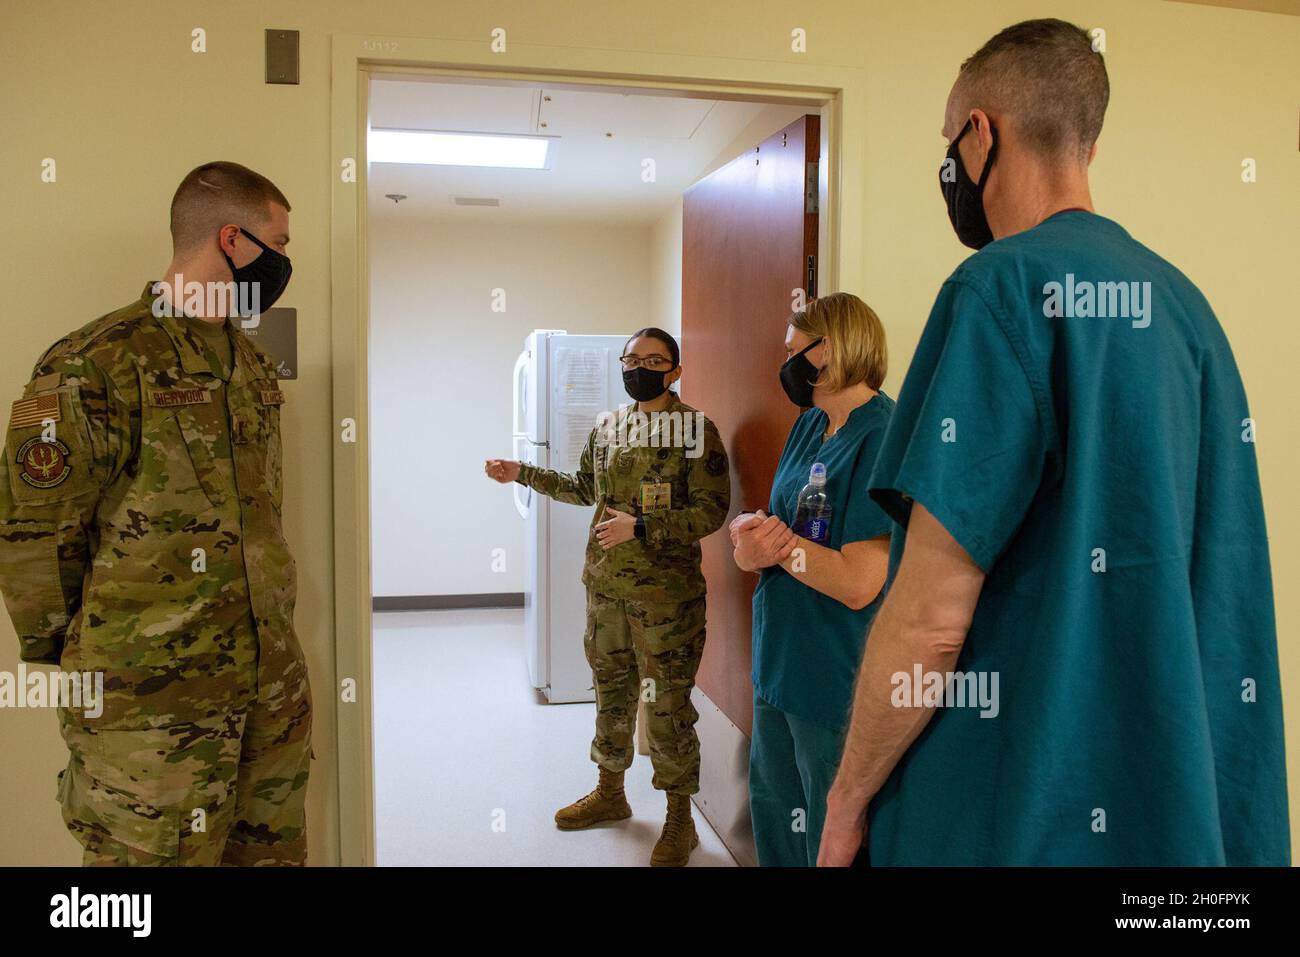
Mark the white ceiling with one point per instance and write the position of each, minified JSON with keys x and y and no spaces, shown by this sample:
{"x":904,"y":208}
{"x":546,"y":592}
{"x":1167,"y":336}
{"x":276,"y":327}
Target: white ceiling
{"x":601,"y":140}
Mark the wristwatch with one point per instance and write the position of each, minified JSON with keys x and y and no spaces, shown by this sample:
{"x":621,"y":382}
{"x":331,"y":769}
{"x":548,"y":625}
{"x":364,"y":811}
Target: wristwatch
{"x":638,"y":529}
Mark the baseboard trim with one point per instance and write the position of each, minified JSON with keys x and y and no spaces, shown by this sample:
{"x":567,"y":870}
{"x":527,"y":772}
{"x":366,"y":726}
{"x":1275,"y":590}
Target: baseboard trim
{"x":723,"y":798}
{"x":447,"y":602}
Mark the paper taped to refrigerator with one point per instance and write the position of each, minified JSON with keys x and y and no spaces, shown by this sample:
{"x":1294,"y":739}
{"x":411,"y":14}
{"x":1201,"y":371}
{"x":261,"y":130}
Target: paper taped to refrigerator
{"x":581,"y":381}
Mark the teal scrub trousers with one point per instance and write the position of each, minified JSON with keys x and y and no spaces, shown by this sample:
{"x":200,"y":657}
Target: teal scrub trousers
{"x":792,"y":763}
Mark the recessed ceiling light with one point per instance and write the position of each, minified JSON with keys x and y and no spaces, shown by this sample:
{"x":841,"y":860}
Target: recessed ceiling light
{"x":430,"y":148}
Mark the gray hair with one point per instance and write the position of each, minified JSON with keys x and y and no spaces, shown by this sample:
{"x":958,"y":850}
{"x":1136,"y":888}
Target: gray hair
{"x":1046,"y":75}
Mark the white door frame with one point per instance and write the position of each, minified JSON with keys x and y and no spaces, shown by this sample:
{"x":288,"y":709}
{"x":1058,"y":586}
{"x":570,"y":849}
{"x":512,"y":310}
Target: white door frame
{"x":839,"y":91}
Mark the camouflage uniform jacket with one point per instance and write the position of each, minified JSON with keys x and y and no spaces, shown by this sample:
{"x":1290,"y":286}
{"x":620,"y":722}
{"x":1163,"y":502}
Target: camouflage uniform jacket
{"x":140,"y":529}
{"x":681,"y":497}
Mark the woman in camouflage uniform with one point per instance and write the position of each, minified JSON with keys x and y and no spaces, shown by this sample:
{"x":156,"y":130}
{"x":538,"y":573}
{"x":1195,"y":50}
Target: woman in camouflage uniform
{"x":658,"y":475}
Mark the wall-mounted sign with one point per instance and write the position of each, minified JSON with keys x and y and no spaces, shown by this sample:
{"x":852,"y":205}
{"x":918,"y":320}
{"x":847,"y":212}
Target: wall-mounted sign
{"x":276,"y":333}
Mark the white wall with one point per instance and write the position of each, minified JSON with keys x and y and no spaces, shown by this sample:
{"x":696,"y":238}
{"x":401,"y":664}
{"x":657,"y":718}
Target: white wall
{"x":440,"y":365}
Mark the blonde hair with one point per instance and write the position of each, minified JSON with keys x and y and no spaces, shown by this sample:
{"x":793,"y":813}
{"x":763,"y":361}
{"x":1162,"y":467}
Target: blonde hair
{"x":858,"y":350}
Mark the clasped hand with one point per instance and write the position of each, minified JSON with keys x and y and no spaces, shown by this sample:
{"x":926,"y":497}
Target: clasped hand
{"x":761,"y":540}
{"x":617,"y":528}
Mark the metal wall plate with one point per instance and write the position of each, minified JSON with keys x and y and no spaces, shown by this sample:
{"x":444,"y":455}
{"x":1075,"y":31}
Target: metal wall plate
{"x":282,"y":56}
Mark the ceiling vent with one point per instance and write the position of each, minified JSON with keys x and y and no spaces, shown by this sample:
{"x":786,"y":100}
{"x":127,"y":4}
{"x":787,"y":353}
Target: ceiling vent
{"x":477,"y":201}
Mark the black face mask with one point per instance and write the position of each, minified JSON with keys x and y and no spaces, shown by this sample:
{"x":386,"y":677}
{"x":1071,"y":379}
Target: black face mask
{"x":964,"y":197}
{"x":269,"y":273}
{"x":644,"y":384}
{"x":797,"y":376}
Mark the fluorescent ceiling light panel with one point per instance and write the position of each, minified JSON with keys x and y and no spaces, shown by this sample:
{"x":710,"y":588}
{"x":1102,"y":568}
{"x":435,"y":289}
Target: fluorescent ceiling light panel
{"x":428,"y":148}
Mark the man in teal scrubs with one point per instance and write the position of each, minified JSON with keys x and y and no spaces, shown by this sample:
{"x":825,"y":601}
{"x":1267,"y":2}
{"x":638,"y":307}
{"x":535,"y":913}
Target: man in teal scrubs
{"x":1072,"y":456}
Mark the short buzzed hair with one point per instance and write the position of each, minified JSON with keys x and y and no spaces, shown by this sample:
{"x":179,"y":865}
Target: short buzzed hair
{"x":214,"y":194}
{"x":1046,"y":75}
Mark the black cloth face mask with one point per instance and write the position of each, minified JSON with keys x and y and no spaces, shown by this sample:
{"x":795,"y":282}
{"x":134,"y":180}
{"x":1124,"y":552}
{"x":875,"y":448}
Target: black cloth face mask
{"x":644,"y":384}
{"x":797,"y":376}
{"x":269,"y":273}
{"x":964,"y":197}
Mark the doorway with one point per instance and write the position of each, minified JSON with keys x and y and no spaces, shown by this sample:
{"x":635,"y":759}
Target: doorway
{"x":356,"y":60}
{"x":495,"y":210}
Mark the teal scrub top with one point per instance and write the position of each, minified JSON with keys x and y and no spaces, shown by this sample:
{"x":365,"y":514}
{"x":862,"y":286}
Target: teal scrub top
{"x":1098,"y":465}
{"x":807,"y":646}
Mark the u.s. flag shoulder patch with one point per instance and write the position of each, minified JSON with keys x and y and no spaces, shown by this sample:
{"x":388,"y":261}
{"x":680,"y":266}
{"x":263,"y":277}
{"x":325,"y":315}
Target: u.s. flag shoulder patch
{"x":34,"y":410}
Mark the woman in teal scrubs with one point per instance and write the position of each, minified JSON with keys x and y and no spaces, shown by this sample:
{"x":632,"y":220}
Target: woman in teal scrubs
{"x":820,"y":581}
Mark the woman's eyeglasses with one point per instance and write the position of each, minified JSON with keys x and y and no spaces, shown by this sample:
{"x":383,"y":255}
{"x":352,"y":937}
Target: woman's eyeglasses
{"x":653,"y":363}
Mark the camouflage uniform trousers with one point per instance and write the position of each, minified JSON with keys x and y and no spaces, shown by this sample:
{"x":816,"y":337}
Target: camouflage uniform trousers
{"x":648,"y":650}
{"x":130,"y":796}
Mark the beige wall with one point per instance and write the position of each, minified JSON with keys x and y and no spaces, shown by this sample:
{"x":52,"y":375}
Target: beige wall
{"x":666,"y":271}
{"x":113,"y":93}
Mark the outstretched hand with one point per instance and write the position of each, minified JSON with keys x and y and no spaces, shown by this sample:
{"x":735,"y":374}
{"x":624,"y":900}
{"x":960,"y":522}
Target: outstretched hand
{"x":502,"y":470}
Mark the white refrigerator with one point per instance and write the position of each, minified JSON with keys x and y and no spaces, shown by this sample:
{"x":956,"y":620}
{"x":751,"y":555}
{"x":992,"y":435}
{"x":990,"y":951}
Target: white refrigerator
{"x":562,"y":383}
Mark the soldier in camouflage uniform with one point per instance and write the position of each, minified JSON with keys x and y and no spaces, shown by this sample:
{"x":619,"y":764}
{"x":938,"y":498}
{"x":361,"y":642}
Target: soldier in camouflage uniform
{"x":655,"y":499}
{"x":140,"y":538}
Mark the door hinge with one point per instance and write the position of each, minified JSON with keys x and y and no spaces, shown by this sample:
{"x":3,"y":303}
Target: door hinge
{"x":810,"y":189}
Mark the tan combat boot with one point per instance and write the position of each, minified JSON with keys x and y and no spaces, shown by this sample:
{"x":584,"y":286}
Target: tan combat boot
{"x":678,"y":838}
{"x":606,"y":803}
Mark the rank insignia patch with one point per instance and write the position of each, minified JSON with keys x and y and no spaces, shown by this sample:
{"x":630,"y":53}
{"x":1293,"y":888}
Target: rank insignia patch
{"x":42,"y":463}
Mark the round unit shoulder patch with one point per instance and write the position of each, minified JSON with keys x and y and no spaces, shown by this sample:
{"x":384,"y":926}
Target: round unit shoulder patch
{"x":43,"y":463}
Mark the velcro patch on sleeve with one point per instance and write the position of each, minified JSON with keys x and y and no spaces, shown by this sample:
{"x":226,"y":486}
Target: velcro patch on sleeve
{"x":272,"y":397}
{"x":44,"y":383}
{"x":34,"y":410}
{"x":166,"y":398}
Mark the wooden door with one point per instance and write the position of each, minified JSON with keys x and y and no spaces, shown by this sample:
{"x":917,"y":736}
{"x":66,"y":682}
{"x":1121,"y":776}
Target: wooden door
{"x":749,"y":244}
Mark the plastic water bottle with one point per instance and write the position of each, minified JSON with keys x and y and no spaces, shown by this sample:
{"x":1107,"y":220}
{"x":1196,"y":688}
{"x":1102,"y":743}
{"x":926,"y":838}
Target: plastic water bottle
{"x":812,"y":516}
